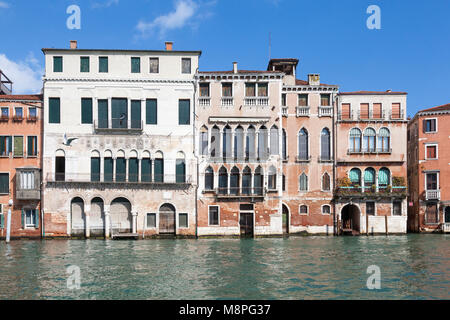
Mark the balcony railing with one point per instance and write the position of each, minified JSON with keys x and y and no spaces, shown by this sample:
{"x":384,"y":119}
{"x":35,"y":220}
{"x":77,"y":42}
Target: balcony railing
{"x":256,"y":101}
{"x":446,"y":227}
{"x":396,"y":115}
{"x":227,"y":101}
{"x":365,"y":150}
{"x":204,"y":101}
{"x":240,"y":192}
{"x":345,"y":116}
{"x":371,"y":191}
{"x":118,"y":125}
{"x":302,"y":111}
{"x":128,"y":178}
{"x":325,"y":111}
{"x":433,"y":194}
{"x":284,"y":111}
{"x":364,"y":116}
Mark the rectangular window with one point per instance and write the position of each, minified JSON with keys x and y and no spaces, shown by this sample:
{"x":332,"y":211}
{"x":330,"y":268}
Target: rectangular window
{"x":5,"y":113}
{"x":432,"y":181}
{"x":60,"y":168}
{"x":227,"y":89}
{"x":213,"y":215}
{"x":325,"y":99}
{"x":250,"y":89}
{"x":151,"y":220}
{"x":135,"y":65}
{"x":108,"y":169}
{"x":302,"y":100}
{"x":27,"y":180}
{"x":86,"y":110}
{"x":183,"y":220}
{"x":326,"y":209}
{"x":263,"y":90}
{"x":119,"y":112}
{"x":345,"y":109}
{"x":57,"y":64}
{"x":186,"y":65}
{"x":431,"y":213}
{"x":121,"y":169}
{"x":95,"y":169}
{"x":102,"y":113}
{"x":103,"y":64}
{"x":370,"y":208}
{"x":396,"y":111}
{"x":283,"y":100}
{"x":31,"y":217}
{"x":429,"y":125}
{"x":364,"y":111}
{"x":84,"y":64}
{"x":377,"y":111}
{"x":154,"y":65}
{"x":32,"y":113}
{"x":32,"y":149}
{"x":151,"y":112}
{"x":4,"y":183}
{"x":431,"y":152}
{"x":183,"y":112}
{"x":18,"y":146}
{"x":397,"y":208}
{"x":204,"y":89}
{"x":54,"y":110}
{"x":18,"y":113}
{"x":136,"y":122}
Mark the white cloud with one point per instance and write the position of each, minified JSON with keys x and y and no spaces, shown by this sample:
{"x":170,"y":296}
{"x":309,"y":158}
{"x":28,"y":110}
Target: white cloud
{"x":4,"y":5}
{"x":105,"y":4}
{"x":26,"y":75}
{"x":184,"y":12}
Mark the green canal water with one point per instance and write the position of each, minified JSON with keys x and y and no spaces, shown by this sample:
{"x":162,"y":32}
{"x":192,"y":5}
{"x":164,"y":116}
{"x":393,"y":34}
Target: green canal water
{"x":412,"y":267}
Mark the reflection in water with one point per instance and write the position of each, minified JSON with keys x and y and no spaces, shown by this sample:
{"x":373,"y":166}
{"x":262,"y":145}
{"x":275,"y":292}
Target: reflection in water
{"x":412,"y":267}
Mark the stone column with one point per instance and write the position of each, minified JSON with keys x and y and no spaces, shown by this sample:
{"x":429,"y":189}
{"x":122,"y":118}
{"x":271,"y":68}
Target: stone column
{"x":87,"y":225}
{"x":134,"y":221}
{"x":107,"y":221}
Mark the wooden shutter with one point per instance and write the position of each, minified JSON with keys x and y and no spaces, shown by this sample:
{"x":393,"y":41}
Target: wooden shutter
{"x":136,"y":114}
{"x":84,"y":64}
{"x":345,"y":107}
{"x":146,"y":170}
{"x":184,"y":112}
{"x":431,"y":152}
{"x":396,"y":111}
{"x":135,"y":65}
{"x":32,"y":146}
{"x":2,"y":221}
{"x":36,"y":218}
{"x":22,"y":219}
{"x":120,"y":169}
{"x":377,"y":111}
{"x":54,"y":110}
{"x":102,"y":113}
{"x":108,"y":169}
{"x":95,"y":169}
{"x":103,"y":64}
{"x":364,"y":111}
{"x":303,"y":146}
{"x":133,"y":169}
{"x":57,"y":64}
{"x":180,"y":171}
{"x":18,"y":146}
{"x":159,"y":170}
{"x":151,"y":111}
{"x":119,"y":112}
{"x":86,"y":110}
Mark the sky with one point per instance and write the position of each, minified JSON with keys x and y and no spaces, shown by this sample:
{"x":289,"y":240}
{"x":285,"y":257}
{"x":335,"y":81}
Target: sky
{"x":409,"y":52}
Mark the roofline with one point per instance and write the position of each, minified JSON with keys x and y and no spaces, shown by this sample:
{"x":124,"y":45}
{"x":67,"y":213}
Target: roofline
{"x":372,"y":93}
{"x":198,"y":52}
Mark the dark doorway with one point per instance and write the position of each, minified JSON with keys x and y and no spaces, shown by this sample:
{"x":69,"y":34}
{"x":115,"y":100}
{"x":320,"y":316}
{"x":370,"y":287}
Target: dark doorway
{"x":246,"y":224}
{"x":167,"y":219}
{"x":285,"y":219}
{"x":350,"y":219}
{"x":60,"y":168}
{"x":447,"y":215}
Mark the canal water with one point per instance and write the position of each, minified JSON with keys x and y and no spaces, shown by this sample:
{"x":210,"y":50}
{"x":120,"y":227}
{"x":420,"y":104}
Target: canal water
{"x":411,"y":267}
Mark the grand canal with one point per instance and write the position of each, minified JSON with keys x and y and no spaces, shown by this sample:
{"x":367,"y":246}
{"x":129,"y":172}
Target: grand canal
{"x":412,"y":267}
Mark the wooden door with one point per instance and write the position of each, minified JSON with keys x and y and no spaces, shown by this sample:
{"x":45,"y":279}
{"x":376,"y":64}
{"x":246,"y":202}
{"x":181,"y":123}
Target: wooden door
{"x":167,"y":219}
{"x":246,"y":224}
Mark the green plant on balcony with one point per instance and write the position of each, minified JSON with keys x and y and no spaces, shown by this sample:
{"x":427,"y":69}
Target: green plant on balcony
{"x":398,"y":181}
{"x":344,"y":182}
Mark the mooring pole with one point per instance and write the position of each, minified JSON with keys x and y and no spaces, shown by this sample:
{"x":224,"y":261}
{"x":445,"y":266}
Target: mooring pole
{"x":8,"y":224}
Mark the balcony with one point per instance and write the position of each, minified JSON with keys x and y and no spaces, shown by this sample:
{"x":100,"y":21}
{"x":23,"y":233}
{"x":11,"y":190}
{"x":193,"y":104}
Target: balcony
{"x":284,"y":111}
{"x":356,"y":191}
{"x":371,"y":116}
{"x":227,"y":101}
{"x":240,"y":193}
{"x":302,"y":111}
{"x":397,"y":116}
{"x":345,"y":116}
{"x":256,"y":101}
{"x":325,"y":111}
{"x":28,"y":183}
{"x":369,"y":151}
{"x":118,"y":126}
{"x":204,"y":101}
{"x":433,"y":194}
{"x":446,"y":227}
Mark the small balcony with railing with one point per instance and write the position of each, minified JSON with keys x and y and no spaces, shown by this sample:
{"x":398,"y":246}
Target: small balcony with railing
{"x":244,"y":192}
{"x":226,"y":101}
{"x":371,"y":115}
{"x":397,"y":115}
{"x":433,"y":195}
{"x":369,"y":151}
{"x":325,"y":111}
{"x":345,"y":116}
{"x":28,"y":183}
{"x":115,"y":125}
{"x":284,"y":111}
{"x":256,"y":101}
{"x":302,"y":111}
{"x":446,"y":227}
{"x":204,"y":101}
{"x":347,"y":189}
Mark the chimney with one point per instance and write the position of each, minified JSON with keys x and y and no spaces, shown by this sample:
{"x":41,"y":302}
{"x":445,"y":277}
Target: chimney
{"x":314,"y":79}
{"x":169,"y":45}
{"x":73,"y":44}
{"x":389,"y":90}
{"x":235,"y":70}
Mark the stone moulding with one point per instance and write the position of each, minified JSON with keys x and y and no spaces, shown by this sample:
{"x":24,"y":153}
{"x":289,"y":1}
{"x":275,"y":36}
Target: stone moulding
{"x":118,"y":185}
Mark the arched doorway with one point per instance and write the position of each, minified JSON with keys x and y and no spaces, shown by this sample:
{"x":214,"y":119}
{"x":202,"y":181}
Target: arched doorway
{"x":121,"y":220}
{"x":97,"y":217}
{"x":285,"y":218}
{"x":167,"y":219}
{"x":77,"y":217}
{"x":350,"y":217}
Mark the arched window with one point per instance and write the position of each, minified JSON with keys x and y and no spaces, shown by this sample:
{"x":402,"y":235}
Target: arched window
{"x":258,"y":181}
{"x":274,"y":150}
{"x":95,"y":166}
{"x":355,"y":140}
{"x":369,"y":178}
{"x":226,"y":151}
{"x":283,"y":183}
{"x":209,"y":179}
{"x":146,"y":167}
{"x":234,"y":181}
{"x":203,"y":141}
{"x":246,"y":181}
{"x":384,"y":138}
{"x":283,"y":145}
{"x":326,"y":209}
{"x":355,"y":176}
{"x":180,"y":168}
{"x":303,"y":144}
{"x":326,"y":182}
{"x":60,"y":165}
{"x":325,"y":153}
{"x":159,"y":167}
{"x":223,"y":181}
{"x":303,"y":209}
{"x":215,"y":142}
{"x":250,"y":144}
{"x":239,"y":143}
{"x":263,"y":146}
{"x":369,"y":140}
{"x":272,"y":178}
{"x":384,"y":178}
{"x":303,"y":182}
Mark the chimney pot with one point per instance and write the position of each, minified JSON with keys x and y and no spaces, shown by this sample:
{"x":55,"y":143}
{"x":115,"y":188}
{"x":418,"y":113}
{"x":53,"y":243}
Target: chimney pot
{"x":73,"y":44}
{"x":314,"y":79}
{"x":169,"y":45}
{"x":235,"y":69}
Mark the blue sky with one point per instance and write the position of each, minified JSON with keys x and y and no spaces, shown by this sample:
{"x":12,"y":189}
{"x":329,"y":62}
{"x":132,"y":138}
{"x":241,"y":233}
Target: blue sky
{"x":411,"y":51}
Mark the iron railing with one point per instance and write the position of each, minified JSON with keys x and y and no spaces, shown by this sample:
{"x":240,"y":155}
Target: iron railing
{"x":118,"y":178}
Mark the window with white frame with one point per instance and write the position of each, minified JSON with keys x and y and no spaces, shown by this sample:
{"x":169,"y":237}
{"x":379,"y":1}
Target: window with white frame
{"x":213,"y":215}
{"x":431,"y":151}
{"x":430,"y":125}
{"x":303,"y":209}
{"x":326,"y":209}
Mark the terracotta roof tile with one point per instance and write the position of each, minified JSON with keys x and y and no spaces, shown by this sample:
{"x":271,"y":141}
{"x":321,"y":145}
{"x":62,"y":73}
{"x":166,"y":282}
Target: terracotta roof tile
{"x":240,"y":71}
{"x":34,"y":97}
{"x":299,"y":82}
{"x":438,"y":108}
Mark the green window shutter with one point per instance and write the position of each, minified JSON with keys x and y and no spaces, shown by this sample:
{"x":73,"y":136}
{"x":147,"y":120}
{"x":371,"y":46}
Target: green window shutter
{"x":369,"y":176}
{"x":180,"y":171}
{"x":183,"y":112}
{"x":23,"y":219}
{"x":32,"y":146}
{"x":136,"y":114}
{"x":84,"y":64}
{"x":103,"y":64}
{"x":36,"y":218}
{"x":108,"y":169}
{"x":133,"y":169}
{"x":2,"y":221}
{"x":354,"y":176}
{"x":146,"y":170}
{"x":57,"y":64}
{"x":86,"y":110}
{"x":151,"y":111}
{"x":4,"y":183}
{"x":102,"y":113}
{"x":120,"y":169}
{"x":119,"y":112}
{"x":18,"y":146}
{"x":135,"y":65}
{"x":383,"y":177}
{"x":2,"y":146}
{"x":54,"y":110}
{"x":159,"y":170}
{"x":95,"y":169}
